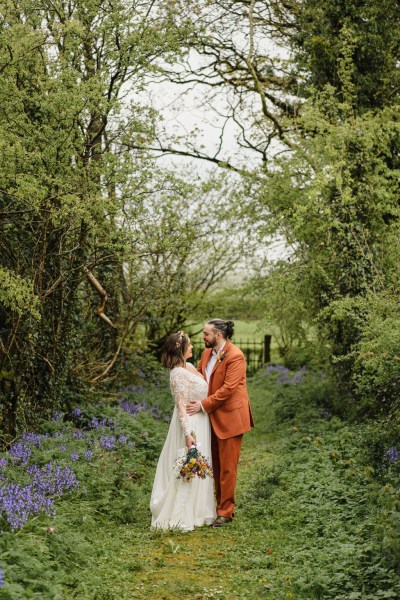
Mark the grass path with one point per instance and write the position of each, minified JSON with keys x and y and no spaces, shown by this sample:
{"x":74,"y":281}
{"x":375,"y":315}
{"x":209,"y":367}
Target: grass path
{"x":133,"y":562}
{"x":299,"y":532}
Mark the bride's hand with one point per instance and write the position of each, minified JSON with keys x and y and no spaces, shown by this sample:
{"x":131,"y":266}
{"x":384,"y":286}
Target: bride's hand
{"x":190,"y":441}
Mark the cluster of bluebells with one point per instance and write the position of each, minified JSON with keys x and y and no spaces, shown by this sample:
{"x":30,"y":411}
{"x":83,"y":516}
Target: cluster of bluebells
{"x":284,"y":372}
{"x":96,"y":423}
{"x":20,"y":453}
{"x":110,"y":442}
{"x":2,"y":581}
{"x":42,"y":485}
{"x":393,"y":454}
{"x":134,"y":408}
{"x":19,"y":502}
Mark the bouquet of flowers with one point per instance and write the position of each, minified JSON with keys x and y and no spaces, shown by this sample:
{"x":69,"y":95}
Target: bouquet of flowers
{"x":194,"y":464}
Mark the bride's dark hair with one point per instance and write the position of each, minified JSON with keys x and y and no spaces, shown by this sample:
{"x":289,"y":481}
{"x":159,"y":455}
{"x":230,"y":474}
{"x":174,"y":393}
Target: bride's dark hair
{"x":174,"y":348}
{"x":225,"y":327}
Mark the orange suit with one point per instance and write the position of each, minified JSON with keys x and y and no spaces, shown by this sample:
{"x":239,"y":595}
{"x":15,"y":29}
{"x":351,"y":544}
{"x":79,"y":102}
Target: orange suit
{"x":230,"y":414}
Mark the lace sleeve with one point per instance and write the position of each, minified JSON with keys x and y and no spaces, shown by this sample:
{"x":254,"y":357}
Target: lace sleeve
{"x":180,"y":388}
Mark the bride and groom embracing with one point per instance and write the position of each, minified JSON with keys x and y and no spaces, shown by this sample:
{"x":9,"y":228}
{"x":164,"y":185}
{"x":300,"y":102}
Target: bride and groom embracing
{"x":211,"y":402}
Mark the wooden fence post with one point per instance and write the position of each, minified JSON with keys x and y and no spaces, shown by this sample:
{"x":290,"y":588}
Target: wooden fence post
{"x":267,"y":349}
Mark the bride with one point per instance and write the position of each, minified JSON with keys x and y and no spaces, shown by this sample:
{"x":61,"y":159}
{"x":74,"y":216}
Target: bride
{"x":174,"y":502}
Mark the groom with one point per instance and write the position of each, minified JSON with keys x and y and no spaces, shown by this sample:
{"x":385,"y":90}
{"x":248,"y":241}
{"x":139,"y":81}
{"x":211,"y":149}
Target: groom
{"x":223,"y":366}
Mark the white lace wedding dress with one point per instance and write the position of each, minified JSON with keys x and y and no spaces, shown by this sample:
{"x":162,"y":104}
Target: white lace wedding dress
{"x":176,"y":503}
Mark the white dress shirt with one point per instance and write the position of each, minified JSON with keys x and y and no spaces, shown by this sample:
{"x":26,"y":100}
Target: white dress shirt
{"x":212,"y":361}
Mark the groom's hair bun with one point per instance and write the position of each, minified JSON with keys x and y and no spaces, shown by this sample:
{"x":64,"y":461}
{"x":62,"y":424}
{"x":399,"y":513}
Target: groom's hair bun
{"x":225,"y":327}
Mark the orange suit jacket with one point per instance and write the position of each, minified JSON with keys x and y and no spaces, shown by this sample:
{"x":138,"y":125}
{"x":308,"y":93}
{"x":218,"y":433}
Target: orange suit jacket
{"x":227,"y":402}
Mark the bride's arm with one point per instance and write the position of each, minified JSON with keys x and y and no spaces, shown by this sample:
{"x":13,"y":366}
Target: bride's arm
{"x":180,"y":387}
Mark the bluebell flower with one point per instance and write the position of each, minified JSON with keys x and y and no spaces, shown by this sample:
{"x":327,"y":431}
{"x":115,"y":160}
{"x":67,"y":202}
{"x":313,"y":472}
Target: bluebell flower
{"x":19,"y":502}
{"x":74,"y":456}
{"x":88,"y":454}
{"x":32,"y":438}
{"x":76,"y":412}
{"x":393,"y":454}
{"x":297,"y":378}
{"x":79,"y":435}
{"x":2,"y":580}
{"x":107,"y":442}
{"x":20,"y":453}
{"x":57,"y":416}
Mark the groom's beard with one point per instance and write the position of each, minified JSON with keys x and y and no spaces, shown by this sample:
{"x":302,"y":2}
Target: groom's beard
{"x":210,"y":344}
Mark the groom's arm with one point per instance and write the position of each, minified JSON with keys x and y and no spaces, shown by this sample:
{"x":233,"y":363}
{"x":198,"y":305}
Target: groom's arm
{"x":235,"y":371}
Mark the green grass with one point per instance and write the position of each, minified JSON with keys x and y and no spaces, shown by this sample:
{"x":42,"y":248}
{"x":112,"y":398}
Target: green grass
{"x":304,"y":528}
{"x":243,"y":330}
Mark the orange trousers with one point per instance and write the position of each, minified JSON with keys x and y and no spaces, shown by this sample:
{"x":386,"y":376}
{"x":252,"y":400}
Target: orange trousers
{"x":225,"y":457}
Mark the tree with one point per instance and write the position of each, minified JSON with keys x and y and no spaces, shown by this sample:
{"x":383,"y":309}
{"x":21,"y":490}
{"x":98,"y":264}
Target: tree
{"x":65,"y":159}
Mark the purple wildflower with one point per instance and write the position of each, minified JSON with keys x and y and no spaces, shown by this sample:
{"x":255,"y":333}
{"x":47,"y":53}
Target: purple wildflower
{"x":2,"y":580}
{"x":78,"y":434}
{"x":3,"y":462}
{"x":19,"y":502}
{"x":76,"y":412}
{"x":107,"y":442}
{"x":57,"y":416}
{"x":297,"y":378}
{"x":122,"y":439}
{"x":32,"y":438}
{"x":20,"y":452}
{"x":131,"y":443}
{"x":74,"y":456}
{"x":393,"y":454}
{"x":283,"y":379}
{"x":275,"y":369}
{"x":88,"y":455}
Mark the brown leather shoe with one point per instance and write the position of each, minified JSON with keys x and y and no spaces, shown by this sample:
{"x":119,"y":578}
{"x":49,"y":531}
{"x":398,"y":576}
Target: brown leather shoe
{"x":220,"y":520}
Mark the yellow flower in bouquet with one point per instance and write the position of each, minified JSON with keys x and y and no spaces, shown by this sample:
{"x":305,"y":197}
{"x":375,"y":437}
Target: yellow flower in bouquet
{"x":193,"y":465}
